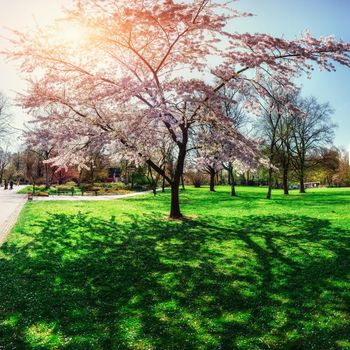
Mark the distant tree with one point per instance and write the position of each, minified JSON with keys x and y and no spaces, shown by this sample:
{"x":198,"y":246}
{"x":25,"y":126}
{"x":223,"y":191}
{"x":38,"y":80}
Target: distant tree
{"x":95,"y":163}
{"x":274,"y":127}
{"x":39,"y":141}
{"x":217,"y":147}
{"x":313,"y":130}
{"x":283,"y":155}
{"x":233,"y":107}
{"x":327,"y":163}
{"x":5,"y":117}
{"x":31,"y":166}
{"x":5,"y":158}
{"x":197,"y":178}
{"x":342,"y":176}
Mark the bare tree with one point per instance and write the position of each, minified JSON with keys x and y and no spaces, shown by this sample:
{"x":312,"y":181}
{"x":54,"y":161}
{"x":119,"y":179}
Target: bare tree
{"x":275,"y":128}
{"x":5,"y":116}
{"x":233,"y":109}
{"x":283,"y":152}
{"x":5,"y":158}
{"x":312,"y":131}
{"x":31,"y":165}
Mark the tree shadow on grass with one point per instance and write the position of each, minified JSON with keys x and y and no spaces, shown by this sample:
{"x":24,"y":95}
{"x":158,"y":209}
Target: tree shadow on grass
{"x":265,"y":282}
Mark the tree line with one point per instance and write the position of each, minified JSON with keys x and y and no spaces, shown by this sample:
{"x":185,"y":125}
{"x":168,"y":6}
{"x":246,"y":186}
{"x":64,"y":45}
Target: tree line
{"x":297,"y":144}
{"x":138,"y":85}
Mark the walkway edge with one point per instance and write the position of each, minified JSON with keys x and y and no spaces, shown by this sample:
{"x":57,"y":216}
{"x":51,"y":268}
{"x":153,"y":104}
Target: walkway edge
{"x":10,"y":222}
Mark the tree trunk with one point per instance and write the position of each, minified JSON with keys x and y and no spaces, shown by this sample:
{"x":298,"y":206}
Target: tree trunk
{"x":175,"y":212}
{"x":220,"y":178}
{"x":183,"y":182}
{"x":212,"y":180}
{"x":269,"y":191}
{"x":233,"y":189}
{"x":79,"y":177}
{"x":47,"y":177}
{"x":126,"y":181}
{"x":33,"y":179}
{"x":92,"y":174}
{"x":285,"y":182}
{"x":229,"y":177}
{"x":132,"y":181}
{"x":163,"y":182}
{"x":163,"y":185}
{"x":277,"y":185}
{"x":302,"y":185}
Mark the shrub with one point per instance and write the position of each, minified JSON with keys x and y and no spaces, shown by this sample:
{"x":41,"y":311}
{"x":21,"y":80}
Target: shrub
{"x":140,"y":181}
{"x":197,"y":178}
{"x":64,"y":188}
{"x":39,"y":188}
{"x":119,"y":185}
{"x":85,"y":186}
{"x":99,"y":184}
{"x":107,"y":187}
{"x":111,"y":185}
{"x":96,"y":189}
{"x":119,"y":191}
{"x":42,"y":194}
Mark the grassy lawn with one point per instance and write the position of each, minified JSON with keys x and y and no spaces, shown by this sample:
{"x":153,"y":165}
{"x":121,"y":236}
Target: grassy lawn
{"x":242,"y":273}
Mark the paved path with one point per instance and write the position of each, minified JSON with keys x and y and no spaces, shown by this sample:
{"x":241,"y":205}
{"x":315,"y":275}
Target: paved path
{"x":11,"y":205}
{"x":90,"y":198}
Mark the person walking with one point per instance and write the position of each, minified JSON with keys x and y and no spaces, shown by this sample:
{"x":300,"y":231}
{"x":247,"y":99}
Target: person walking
{"x":6,"y":185}
{"x":11,"y":185}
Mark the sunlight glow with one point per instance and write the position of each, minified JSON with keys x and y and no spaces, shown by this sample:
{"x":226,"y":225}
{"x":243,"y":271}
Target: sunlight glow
{"x":71,"y":33}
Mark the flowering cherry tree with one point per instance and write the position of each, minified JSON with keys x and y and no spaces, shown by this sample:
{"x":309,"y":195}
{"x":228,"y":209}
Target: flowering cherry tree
{"x":220,"y":148}
{"x":138,"y":75}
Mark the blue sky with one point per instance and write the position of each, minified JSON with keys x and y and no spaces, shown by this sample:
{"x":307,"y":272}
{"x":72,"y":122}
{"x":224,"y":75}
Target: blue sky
{"x":288,"y":18}
{"x":322,"y":17}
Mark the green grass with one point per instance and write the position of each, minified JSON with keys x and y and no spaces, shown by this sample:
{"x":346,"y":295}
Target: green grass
{"x":25,"y":190}
{"x":241,"y":273}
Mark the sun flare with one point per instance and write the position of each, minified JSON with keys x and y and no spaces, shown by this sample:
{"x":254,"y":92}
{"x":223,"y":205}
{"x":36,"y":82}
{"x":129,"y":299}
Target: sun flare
{"x":71,"y":33}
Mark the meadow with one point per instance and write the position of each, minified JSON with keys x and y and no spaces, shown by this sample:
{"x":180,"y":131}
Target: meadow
{"x":237,"y":273}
